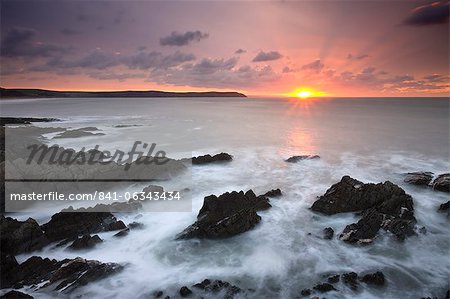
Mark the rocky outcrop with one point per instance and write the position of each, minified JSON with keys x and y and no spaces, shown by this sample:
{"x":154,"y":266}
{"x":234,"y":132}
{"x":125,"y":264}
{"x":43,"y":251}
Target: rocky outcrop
{"x":64,"y":275}
{"x":383,"y":205}
{"x":8,"y":265}
{"x":69,"y":225}
{"x":420,"y":178}
{"x":227,"y":215}
{"x":273,"y":193}
{"x":324,"y":287}
{"x":328,"y":233}
{"x":16,"y":295}
{"x":295,"y":159}
{"x":205,"y":159}
{"x":20,"y":236}
{"x":444,"y":207}
{"x":216,"y":286}
{"x":442,"y":183}
{"x":376,"y":278}
{"x":85,"y":242}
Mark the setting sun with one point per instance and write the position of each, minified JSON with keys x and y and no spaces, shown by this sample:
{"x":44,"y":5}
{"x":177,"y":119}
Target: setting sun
{"x":304,"y":93}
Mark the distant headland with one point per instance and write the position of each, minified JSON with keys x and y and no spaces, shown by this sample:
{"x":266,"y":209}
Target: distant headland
{"x":6,"y":93}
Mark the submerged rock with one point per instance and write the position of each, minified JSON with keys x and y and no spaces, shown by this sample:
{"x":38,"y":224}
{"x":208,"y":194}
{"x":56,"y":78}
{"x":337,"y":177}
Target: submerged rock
{"x":383,"y":205}
{"x":444,"y":207}
{"x":65,"y":275}
{"x":20,"y":236}
{"x":272,"y":193}
{"x":216,"y":286}
{"x":328,"y":233}
{"x":334,"y":278}
{"x":185,"y":292}
{"x":324,"y":287}
{"x":442,"y":183}
{"x":66,"y":225}
{"x":305,"y":292}
{"x":295,"y":159}
{"x":85,"y":242}
{"x":222,"y":157}
{"x":351,"y":279}
{"x":376,"y":278}
{"x":227,"y":215}
{"x":419,"y":178}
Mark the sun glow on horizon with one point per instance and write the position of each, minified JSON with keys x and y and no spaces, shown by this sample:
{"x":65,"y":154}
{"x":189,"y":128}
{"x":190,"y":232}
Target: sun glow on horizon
{"x":305,"y":93}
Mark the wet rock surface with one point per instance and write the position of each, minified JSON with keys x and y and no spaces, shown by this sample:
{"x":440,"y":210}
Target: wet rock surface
{"x":328,"y":233}
{"x":420,"y":178}
{"x":227,"y":215}
{"x":383,"y":205}
{"x":66,"y":225}
{"x":376,"y":278}
{"x":206,"y":159}
{"x":295,"y":159}
{"x":85,"y":242}
{"x":64,"y":275}
{"x":444,"y":207}
{"x":20,"y":236}
{"x":15,"y":295}
{"x":442,"y":183}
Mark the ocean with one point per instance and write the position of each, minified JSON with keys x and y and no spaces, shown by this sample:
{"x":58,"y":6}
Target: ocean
{"x":369,"y":139}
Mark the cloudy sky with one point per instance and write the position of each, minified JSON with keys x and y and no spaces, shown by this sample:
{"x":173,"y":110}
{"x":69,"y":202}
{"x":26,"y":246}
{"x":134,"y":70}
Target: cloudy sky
{"x":343,"y":48}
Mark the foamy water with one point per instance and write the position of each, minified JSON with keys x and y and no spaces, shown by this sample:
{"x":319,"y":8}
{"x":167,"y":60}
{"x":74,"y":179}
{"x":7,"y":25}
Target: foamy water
{"x":371,"y":140}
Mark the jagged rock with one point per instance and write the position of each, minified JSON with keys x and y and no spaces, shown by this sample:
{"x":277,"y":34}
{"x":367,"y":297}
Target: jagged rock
{"x":8,"y":266}
{"x":305,"y":292}
{"x":334,"y":279}
{"x":216,"y":286}
{"x":16,"y":295}
{"x":384,"y":205}
{"x":351,"y":279}
{"x":222,"y":157}
{"x":136,"y":225}
{"x":272,"y":193}
{"x":445,"y":206}
{"x":324,"y":287}
{"x":295,"y":159}
{"x":376,"y":278}
{"x":419,"y":178}
{"x":65,"y":275}
{"x":20,"y":236}
{"x":185,"y":291}
{"x":66,"y":225}
{"x":85,"y":242}
{"x":328,"y":233}
{"x":122,"y":233}
{"x":226,"y":215}
{"x":442,"y":183}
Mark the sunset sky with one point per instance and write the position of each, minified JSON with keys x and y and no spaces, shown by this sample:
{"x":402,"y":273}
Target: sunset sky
{"x":341,"y":48}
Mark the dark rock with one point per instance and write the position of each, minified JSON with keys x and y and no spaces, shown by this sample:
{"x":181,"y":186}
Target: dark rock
{"x":153,"y":189}
{"x":158,"y":294}
{"x":66,"y":225}
{"x":226,"y":215}
{"x":295,"y":159}
{"x":216,"y":286}
{"x":423,"y":230}
{"x":333,"y":279}
{"x":272,"y":193}
{"x":328,"y":233}
{"x":122,"y":233}
{"x":324,"y":287}
{"x":419,"y":178}
{"x":16,"y":295}
{"x":351,"y":279}
{"x":20,"y":236}
{"x":185,"y":291}
{"x":8,"y":266}
{"x":376,"y":278}
{"x":305,"y":292}
{"x":444,"y":206}
{"x":86,"y":242}
{"x":222,"y":157}
{"x":384,"y":205}
{"x":442,"y":183}
{"x":136,"y":225}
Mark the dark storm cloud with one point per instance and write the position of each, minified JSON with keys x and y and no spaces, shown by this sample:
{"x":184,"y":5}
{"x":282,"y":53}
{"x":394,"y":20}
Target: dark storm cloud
{"x":316,"y":65}
{"x":267,"y":56}
{"x":357,"y":57}
{"x":431,"y":14}
{"x":20,"y":42}
{"x":182,"y":39}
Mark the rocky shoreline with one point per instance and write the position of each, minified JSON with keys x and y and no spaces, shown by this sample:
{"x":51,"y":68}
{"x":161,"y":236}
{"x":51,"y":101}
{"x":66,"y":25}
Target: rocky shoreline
{"x":380,"y":207}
